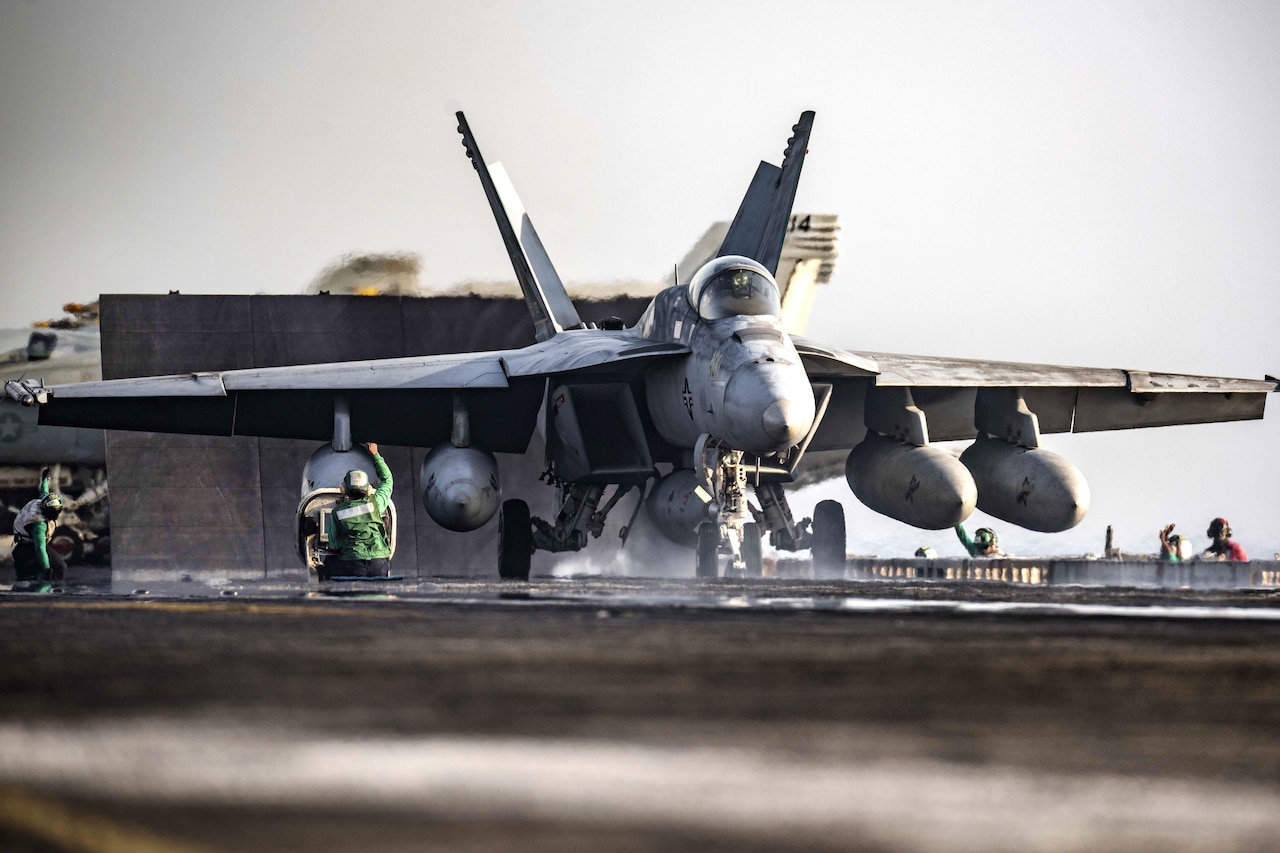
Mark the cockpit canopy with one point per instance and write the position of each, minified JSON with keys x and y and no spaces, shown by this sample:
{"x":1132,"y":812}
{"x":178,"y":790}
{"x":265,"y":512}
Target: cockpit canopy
{"x":733,"y":285}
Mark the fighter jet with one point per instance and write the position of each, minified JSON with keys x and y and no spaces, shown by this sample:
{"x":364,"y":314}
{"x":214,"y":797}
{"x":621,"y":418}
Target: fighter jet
{"x":706,"y":403}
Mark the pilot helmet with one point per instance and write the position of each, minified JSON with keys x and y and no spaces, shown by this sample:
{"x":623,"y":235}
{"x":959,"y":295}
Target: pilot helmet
{"x":985,"y":537}
{"x":1219,"y":526}
{"x":356,"y":483}
{"x":51,"y":506}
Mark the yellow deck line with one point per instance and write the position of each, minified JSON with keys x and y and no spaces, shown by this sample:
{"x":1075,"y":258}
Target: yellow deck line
{"x":48,"y":821}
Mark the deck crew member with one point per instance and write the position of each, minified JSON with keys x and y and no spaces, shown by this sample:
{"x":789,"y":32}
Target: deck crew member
{"x":33,"y":558}
{"x":1223,"y":547}
{"x":1173,"y":548}
{"x":356,"y":530}
{"x":983,"y":544}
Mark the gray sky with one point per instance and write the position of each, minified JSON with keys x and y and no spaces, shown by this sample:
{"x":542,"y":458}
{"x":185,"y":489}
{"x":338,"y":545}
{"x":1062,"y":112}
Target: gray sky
{"x":1079,"y":182}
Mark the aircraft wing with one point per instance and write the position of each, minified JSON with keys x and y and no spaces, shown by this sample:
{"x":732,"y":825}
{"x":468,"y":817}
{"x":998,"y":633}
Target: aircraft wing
{"x":405,"y":401}
{"x":823,"y":363}
{"x":1064,"y":398}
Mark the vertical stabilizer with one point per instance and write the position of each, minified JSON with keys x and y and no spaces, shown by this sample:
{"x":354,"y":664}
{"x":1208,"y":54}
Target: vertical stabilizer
{"x":760,"y":226}
{"x":544,"y":294}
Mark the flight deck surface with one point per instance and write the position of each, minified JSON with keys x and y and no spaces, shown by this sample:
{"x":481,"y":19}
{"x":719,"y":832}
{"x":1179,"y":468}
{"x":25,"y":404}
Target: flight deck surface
{"x":636,"y":714}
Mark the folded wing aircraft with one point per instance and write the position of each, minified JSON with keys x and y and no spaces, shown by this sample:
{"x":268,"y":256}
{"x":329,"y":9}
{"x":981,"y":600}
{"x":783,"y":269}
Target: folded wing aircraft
{"x":706,"y":400}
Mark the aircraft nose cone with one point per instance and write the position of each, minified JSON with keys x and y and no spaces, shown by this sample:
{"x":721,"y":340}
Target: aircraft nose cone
{"x":785,"y":423}
{"x":767,"y":407}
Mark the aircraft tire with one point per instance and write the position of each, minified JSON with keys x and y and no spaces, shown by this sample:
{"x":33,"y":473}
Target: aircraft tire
{"x":752,"y":549}
{"x":828,"y":549}
{"x":707,"y":563}
{"x":515,"y":541}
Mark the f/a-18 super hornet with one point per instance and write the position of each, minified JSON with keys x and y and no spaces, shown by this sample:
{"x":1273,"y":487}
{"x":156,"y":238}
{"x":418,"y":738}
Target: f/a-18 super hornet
{"x":704,"y":403}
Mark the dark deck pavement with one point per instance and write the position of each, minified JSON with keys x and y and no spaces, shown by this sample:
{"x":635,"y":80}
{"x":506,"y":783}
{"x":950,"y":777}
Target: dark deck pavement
{"x":640,"y":715}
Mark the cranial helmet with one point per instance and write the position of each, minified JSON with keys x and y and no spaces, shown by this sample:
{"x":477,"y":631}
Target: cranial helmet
{"x":51,"y":506}
{"x":356,"y":482}
{"x":1219,"y":526}
{"x":985,"y":537}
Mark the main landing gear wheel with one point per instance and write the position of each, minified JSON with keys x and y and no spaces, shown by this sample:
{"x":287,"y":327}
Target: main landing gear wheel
{"x":515,"y":541}
{"x":708,"y":558}
{"x":752,"y":549}
{"x":828,"y":540}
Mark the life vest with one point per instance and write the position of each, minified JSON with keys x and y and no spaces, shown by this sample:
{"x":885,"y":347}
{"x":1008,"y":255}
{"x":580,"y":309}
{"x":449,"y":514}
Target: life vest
{"x":361,"y":535}
{"x":28,"y":516}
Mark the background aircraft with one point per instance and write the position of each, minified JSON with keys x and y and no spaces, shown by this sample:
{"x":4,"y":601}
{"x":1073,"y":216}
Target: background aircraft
{"x":708,"y":383}
{"x":58,"y":351}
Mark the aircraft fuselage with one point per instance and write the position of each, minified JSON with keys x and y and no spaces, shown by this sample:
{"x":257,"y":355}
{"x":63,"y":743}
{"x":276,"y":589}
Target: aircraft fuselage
{"x":742,"y":383}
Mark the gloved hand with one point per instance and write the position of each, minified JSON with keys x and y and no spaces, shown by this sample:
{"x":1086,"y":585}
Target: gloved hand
{"x":44,"y":474}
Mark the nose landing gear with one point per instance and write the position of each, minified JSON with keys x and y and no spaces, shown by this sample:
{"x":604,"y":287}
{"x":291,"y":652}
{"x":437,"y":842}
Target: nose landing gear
{"x":738,"y":527}
{"x":735,"y":531}
{"x":744,"y":547}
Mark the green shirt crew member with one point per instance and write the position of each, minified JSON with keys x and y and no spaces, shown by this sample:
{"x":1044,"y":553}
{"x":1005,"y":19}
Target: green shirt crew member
{"x":1170,"y":545}
{"x":983,"y":544}
{"x":33,"y":559}
{"x":356,"y":530}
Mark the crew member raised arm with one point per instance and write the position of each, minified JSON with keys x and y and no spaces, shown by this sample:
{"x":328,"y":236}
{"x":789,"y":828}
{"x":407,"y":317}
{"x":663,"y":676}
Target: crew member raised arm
{"x":983,"y":544}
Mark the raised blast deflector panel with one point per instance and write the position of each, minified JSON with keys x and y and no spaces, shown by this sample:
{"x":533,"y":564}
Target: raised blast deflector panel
{"x":460,"y":487}
{"x":677,"y":505}
{"x":1032,"y":488}
{"x":922,"y":486}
